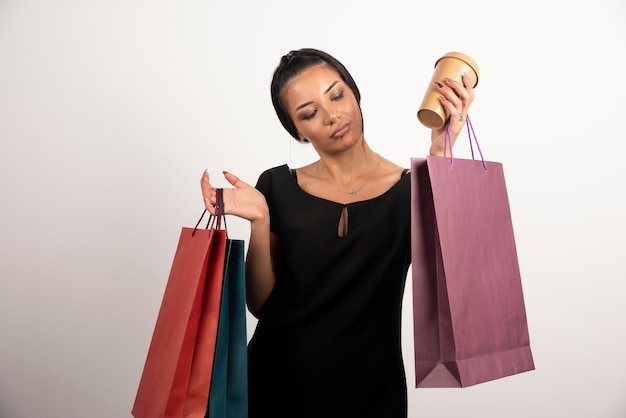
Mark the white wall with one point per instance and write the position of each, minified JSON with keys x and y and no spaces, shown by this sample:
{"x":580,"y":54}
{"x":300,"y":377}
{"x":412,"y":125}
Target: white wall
{"x":111,"y":110}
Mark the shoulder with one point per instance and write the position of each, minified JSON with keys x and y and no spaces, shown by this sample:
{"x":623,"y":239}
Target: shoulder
{"x":274,"y":172}
{"x":391,"y":173}
{"x":273,"y":178}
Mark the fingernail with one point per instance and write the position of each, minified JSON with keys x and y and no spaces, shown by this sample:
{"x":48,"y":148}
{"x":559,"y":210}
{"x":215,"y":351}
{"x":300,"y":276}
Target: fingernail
{"x":438,"y":84}
{"x":442,"y":99}
{"x":448,"y":80}
{"x":225,"y":172}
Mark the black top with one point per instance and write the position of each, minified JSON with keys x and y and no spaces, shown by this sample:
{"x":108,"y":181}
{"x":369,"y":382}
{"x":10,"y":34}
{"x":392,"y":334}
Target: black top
{"x":328,"y":340}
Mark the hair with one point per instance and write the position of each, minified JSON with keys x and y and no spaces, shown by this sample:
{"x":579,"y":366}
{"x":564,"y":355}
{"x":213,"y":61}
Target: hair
{"x":292,"y":65}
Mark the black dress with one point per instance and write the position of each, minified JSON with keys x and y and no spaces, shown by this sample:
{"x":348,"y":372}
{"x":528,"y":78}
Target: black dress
{"x":328,"y":340}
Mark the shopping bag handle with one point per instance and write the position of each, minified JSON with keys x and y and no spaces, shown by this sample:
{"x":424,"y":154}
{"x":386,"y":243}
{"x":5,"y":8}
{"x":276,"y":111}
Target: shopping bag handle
{"x":447,"y":143}
{"x":215,"y":221}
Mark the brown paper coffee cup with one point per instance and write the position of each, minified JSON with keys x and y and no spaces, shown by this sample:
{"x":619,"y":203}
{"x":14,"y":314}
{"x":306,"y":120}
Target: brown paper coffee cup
{"x":452,"y":65}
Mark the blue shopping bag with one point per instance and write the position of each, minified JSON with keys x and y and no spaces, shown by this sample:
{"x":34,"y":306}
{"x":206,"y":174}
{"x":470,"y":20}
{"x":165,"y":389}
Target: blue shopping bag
{"x":228,"y":396}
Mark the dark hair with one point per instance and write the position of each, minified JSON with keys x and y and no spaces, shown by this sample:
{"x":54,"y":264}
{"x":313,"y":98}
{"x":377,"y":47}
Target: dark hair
{"x":293,"y":64}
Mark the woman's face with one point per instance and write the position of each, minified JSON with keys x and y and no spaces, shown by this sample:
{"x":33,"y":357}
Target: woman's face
{"x":323,"y":109}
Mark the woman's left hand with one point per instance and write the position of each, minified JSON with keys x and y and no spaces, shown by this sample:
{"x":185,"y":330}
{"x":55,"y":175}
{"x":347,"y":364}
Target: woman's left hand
{"x":456,"y":98}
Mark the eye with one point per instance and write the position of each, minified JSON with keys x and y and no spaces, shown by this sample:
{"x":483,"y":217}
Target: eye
{"x":338,"y":96}
{"x":310,"y":115}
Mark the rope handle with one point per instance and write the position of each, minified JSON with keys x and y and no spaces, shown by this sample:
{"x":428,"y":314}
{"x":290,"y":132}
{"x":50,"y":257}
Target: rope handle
{"x":215,"y":221}
{"x":470,"y":133}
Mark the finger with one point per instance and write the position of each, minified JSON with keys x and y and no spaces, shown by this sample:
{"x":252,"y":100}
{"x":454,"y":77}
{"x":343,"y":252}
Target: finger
{"x":453,"y":91}
{"x":469,"y":89}
{"x":451,"y":107}
{"x":235,"y":181}
{"x":461,"y":86}
{"x":466,"y":92}
{"x":204,"y":178}
{"x":461,"y":95}
{"x":208,"y":193}
{"x":457,"y":112}
{"x":468,"y":83}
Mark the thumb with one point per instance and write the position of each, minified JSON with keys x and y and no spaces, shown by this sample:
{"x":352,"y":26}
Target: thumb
{"x":234,"y":180}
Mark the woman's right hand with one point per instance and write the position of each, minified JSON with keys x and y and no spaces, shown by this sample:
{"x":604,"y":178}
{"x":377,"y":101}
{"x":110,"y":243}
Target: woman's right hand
{"x":242,"y":200}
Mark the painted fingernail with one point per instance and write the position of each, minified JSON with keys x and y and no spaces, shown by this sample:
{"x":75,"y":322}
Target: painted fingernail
{"x":438,"y":84}
{"x":448,"y":80}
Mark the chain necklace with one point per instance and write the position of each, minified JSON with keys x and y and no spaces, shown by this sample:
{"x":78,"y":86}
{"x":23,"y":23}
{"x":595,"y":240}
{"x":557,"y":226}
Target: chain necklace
{"x":351,"y":192}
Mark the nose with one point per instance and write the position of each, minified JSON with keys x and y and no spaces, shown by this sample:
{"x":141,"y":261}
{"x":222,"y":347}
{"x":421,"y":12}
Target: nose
{"x":333,"y":117}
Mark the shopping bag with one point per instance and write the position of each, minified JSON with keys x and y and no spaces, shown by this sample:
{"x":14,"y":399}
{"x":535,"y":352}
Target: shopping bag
{"x":177,"y":373}
{"x":228,"y":396}
{"x":470,"y":322}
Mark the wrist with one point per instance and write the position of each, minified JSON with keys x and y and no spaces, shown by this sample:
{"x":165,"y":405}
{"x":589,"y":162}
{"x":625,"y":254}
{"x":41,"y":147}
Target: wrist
{"x":261,"y":220}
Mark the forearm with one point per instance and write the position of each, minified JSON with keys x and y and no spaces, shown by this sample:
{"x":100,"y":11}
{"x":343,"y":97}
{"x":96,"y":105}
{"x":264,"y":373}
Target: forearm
{"x":260,"y":277}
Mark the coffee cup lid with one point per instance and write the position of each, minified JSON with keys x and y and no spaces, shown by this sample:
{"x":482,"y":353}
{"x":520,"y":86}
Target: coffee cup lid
{"x":465,"y":58}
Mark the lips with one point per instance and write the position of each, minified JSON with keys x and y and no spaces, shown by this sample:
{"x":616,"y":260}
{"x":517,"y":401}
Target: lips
{"x":340,"y":131}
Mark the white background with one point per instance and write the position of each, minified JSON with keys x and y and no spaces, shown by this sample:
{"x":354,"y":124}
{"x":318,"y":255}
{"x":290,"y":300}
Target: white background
{"x":111,"y":110}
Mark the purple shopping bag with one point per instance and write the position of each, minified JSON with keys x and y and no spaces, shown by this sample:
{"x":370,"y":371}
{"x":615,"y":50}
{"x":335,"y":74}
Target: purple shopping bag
{"x":470,"y":321}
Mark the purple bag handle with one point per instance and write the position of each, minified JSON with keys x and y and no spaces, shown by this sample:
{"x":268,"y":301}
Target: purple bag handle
{"x":448,"y":142}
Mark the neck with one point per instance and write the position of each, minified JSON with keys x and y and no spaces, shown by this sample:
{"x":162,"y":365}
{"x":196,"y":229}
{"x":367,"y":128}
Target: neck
{"x":347,"y":169}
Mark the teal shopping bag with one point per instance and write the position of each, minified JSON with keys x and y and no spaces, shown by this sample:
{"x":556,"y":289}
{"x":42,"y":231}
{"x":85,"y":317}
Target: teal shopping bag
{"x":228,"y":396}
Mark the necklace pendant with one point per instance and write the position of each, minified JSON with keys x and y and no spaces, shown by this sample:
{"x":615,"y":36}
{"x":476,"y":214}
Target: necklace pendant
{"x":351,"y":192}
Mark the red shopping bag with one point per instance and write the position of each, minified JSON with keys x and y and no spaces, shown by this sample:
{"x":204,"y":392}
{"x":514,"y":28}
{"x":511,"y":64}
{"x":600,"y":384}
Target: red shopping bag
{"x":177,"y":374}
{"x":470,"y":321}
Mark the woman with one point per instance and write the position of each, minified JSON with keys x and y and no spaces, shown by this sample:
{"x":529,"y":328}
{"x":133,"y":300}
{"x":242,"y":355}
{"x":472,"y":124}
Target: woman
{"x":329,"y":252}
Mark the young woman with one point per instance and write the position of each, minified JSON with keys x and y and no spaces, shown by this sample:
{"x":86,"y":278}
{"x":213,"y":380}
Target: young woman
{"x":329,"y":252}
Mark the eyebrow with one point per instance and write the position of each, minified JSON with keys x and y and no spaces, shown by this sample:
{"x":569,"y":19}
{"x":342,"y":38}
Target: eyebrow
{"x":325,"y":92}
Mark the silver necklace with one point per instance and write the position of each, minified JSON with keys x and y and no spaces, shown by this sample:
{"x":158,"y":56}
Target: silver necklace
{"x":352,"y":192}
